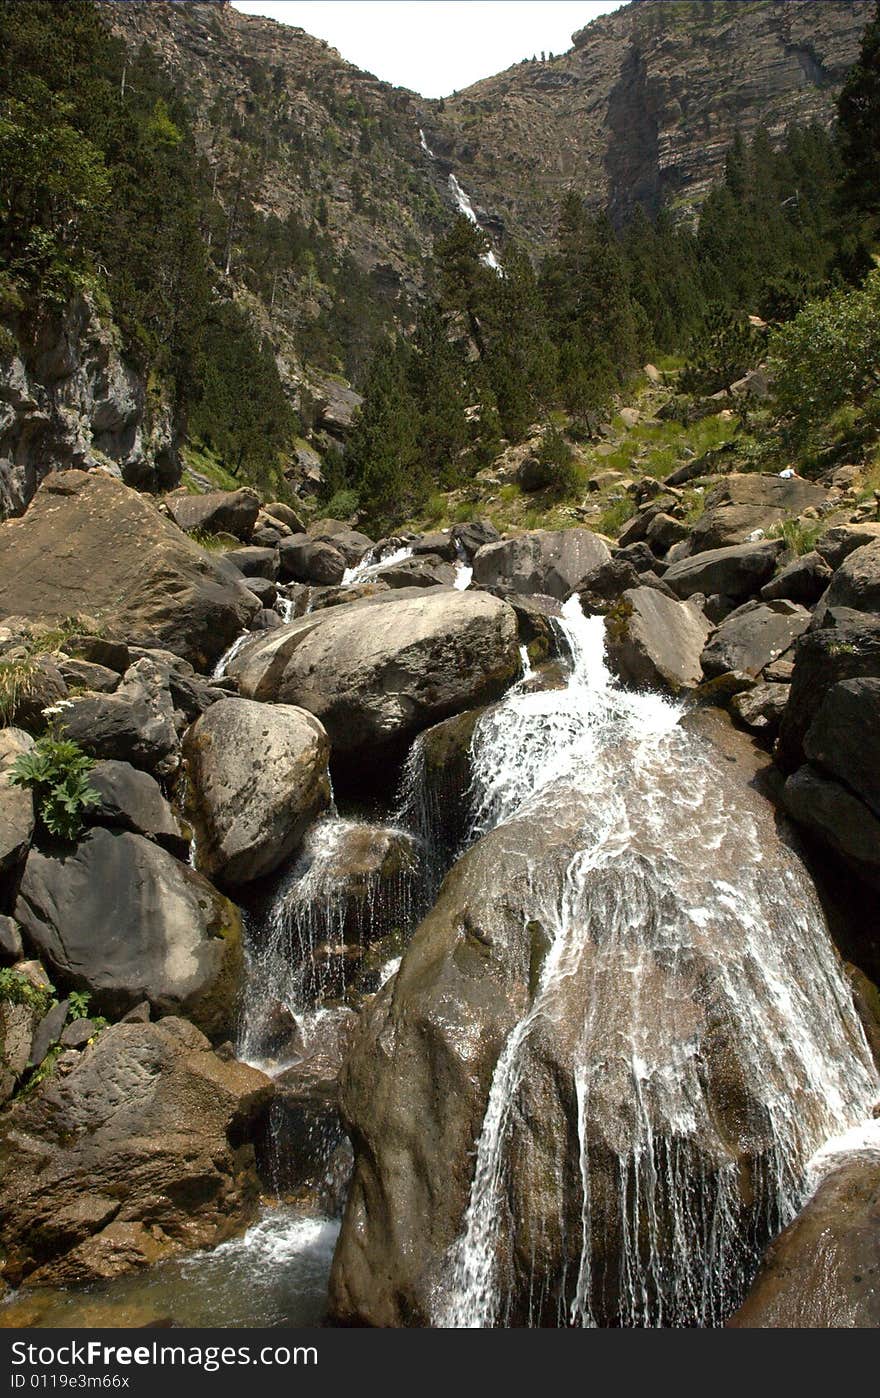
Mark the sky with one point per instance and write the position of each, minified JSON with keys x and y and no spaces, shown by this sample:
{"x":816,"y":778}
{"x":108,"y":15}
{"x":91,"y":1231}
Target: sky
{"x":436,"y":47}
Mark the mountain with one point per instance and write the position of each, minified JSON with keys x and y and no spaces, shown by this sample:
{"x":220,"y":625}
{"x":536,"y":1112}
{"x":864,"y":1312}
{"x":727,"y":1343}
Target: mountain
{"x":645,"y":105}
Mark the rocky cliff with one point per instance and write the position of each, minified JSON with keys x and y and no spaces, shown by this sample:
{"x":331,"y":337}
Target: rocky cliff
{"x":644,"y":106}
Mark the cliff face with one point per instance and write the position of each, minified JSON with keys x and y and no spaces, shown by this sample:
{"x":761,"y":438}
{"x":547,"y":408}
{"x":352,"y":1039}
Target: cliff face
{"x":644,"y":106}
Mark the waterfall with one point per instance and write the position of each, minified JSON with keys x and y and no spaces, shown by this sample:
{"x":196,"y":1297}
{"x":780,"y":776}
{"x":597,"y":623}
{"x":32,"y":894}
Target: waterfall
{"x":314,"y":920}
{"x":464,"y":206}
{"x":229,"y":655}
{"x":424,"y":145}
{"x":373,"y":564}
{"x":650,"y":940}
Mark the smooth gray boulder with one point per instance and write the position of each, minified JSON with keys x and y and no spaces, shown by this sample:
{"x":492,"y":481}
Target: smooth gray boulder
{"x":803,"y":580}
{"x":844,"y":737}
{"x":255,"y":562}
{"x":554,"y":562}
{"x":379,"y":670}
{"x":655,"y":642}
{"x":349,"y":542}
{"x":737,"y":572}
{"x":825,"y":655}
{"x":257,"y":778}
{"x":742,"y":503}
{"x":838,"y":542}
{"x":119,"y":917}
{"x":753,"y":637}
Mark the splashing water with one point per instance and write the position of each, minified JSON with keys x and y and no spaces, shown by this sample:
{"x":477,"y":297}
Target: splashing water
{"x":229,"y":655}
{"x":371,"y":566}
{"x":692,"y":991}
{"x":299,"y":953}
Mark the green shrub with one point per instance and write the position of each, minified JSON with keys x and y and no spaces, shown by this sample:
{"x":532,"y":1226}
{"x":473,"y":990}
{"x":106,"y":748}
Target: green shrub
{"x":16,"y":989}
{"x":342,"y":504}
{"x":56,"y":770}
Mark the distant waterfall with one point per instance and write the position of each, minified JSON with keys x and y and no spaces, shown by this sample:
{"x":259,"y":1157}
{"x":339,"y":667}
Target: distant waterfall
{"x":646,"y":929}
{"x":464,"y":206}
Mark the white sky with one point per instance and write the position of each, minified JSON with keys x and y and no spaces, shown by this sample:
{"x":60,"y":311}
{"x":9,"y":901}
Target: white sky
{"x":436,"y":46}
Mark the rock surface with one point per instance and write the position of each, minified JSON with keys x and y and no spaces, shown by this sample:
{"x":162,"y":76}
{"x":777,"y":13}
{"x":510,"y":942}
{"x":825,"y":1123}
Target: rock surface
{"x":736,"y":572}
{"x":131,"y":1155}
{"x":753,"y":637}
{"x":654,"y":642}
{"x":554,"y":562}
{"x":377,"y":671}
{"x":821,"y":1272}
{"x":217,"y":512}
{"x":89,"y":544}
{"x":257,"y":778}
{"x":122,"y":919}
{"x":16,"y":804}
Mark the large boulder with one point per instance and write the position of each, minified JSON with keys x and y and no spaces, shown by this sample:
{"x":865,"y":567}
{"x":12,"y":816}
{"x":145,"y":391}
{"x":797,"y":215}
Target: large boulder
{"x":753,"y":637}
{"x":825,"y":656}
{"x":821,"y":1272}
{"x":655,"y":642}
{"x":219,"y":512}
{"x":134,"y":1153}
{"x":738,"y":572}
{"x":89,"y":544}
{"x":117,"y":916}
{"x":744,"y":503}
{"x":474,"y":535}
{"x":856,"y":583}
{"x":554,"y":562}
{"x":349,"y":542}
{"x":16,"y":805}
{"x":377,"y":671}
{"x":838,"y":542}
{"x":133,"y":800}
{"x":257,"y":778}
{"x":802,"y":580}
{"x":837,"y":818}
{"x":133,"y":724}
{"x":581,"y":1092}
{"x":844,"y":737}
{"x":308,"y":560}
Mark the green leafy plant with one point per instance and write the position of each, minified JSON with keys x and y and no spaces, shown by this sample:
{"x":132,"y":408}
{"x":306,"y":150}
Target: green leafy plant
{"x":78,"y":1004}
{"x":56,"y":770}
{"x":17,"y":989}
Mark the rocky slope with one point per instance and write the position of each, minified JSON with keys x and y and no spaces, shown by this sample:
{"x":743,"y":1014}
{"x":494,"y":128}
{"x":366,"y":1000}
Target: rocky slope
{"x":645,"y":105}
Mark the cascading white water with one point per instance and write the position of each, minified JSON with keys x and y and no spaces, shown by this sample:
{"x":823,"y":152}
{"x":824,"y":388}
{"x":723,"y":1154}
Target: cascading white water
{"x":645,"y":906}
{"x":298,"y":957}
{"x":229,"y":655}
{"x":371,"y":566}
{"x":465,"y":207}
{"x":424,"y":145}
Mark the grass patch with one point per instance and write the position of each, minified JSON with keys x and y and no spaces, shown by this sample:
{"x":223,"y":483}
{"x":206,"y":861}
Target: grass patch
{"x":196,"y":457}
{"x":612,"y":519}
{"x":799,"y":538}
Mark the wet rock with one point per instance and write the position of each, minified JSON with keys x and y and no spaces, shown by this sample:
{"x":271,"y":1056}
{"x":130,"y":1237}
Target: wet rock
{"x":753,"y":637}
{"x":311,"y":561}
{"x":264,"y":589}
{"x":117,"y":916}
{"x":803,"y":580}
{"x":553,"y":562}
{"x":353,"y":545}
{"x":821,"y":1272}
{"x":736,"y":572}
{"x":258,"y":777}
{"x":218,"y":512}
{"x":655,"y":642}
{"x":137,"y":1148}
{"x":133,"y":800}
